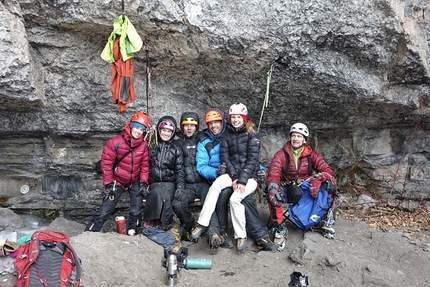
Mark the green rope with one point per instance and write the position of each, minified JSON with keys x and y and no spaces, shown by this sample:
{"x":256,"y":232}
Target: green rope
{"x":266,"y":98}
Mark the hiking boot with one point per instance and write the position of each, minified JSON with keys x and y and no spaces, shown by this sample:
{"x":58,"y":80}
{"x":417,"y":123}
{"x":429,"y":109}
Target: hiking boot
{"x":131,"y":232}
{"x":214,"y":243}
{"x":241,"y":244}
{"x":281,"y":231}
{"x":327,"y":232}
{"x":186,"y":235}
{"x":281,"y":234}
{"x":196,"y":232}
{"x":280,"y":243}
{"x":266,"y":244}
{"x":226,"y":241}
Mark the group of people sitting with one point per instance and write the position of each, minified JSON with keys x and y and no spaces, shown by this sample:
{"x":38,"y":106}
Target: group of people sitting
{"x":219,"y":165}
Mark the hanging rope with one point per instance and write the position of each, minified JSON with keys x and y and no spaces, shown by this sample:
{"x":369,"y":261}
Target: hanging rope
{"x":152,"y":140}
{"x":266,"y":98}
{"x":123,"y":9}
{"x":148,"y":81}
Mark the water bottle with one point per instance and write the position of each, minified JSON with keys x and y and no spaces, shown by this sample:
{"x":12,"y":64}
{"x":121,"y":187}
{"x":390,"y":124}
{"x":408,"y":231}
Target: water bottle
{"x":172,"y":270}
{"x":198,"y":263}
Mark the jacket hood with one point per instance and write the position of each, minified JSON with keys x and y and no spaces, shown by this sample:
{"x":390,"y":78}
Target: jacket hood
{"x":186,"y":115}
{"x":167,"y":119}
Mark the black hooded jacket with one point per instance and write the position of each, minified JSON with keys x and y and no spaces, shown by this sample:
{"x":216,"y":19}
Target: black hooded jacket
{"x":240,"y":152}
{"x":189,"y":148}
{"x":167,"y":159}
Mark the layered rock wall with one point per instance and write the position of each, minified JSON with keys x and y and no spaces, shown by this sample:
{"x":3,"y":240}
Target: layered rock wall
{"x":356,"y":72}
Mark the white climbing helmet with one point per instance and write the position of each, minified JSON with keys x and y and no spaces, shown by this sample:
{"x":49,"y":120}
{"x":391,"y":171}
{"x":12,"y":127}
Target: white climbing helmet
{"x":301,"y":129}
{"x":238,"y":109}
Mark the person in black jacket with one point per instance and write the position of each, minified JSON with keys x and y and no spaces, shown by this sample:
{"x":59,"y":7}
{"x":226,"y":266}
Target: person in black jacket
{"x":240,"y":150}
{"x":166,"y":176}
{"x":195,"y":185}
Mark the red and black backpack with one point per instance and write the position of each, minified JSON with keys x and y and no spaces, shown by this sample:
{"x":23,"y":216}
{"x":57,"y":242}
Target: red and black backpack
{"x":47,"y":259}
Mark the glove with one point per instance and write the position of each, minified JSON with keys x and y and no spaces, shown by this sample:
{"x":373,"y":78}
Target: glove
{"x":261,"y":177}
{"x":273,"y":196}
{"x":108,"y":192}
{"x":222,"y":169}
{"x":180,"y":194}
{"x":314,"y":187}
{"x":108,"y":188}
{"x":143,"y":189}
{"x":315,"y":184}
{"x":324,"y":176}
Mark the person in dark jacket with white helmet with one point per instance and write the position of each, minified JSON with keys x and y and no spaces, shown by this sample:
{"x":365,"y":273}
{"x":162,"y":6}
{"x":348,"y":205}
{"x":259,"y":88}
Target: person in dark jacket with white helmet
{"x":130,"y":173}
{"x":166,"y":177}
{"x":195,"y":185}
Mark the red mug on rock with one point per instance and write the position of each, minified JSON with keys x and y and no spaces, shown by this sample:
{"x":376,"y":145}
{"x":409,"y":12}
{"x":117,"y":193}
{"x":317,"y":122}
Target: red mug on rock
{"x":121,"y":225}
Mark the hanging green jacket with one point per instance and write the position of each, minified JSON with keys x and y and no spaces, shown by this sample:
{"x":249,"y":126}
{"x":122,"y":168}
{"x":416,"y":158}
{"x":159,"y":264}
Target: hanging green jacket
{"x":130,"y":41}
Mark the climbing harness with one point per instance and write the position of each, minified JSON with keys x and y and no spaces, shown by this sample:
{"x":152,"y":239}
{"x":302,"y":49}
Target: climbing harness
{"x":266,"y":98}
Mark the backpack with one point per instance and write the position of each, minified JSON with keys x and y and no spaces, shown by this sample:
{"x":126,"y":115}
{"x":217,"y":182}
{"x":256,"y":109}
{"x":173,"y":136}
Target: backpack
{"x":47,"y":260}
{"x":309,"y":211}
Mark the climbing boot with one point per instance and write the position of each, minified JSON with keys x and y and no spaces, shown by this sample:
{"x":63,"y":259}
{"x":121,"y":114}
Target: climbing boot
{"x":266,"y":244}
{"x":241,"y":245}
{"x":196,"y":232}
{"x":281,"y":234}
{"x":214,"y":243}
{"x":226,"y":241}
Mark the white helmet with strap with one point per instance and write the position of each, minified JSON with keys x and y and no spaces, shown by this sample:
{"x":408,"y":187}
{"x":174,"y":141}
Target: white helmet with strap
{"x":238,"y":109}
{"x":301,"y":129}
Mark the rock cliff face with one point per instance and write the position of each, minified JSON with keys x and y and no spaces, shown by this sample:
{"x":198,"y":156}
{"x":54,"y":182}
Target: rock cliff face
{"x":356,"y":72}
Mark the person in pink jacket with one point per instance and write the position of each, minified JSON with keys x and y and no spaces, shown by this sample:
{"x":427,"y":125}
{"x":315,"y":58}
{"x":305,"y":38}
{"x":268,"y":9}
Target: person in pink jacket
{"x":125,"y":167}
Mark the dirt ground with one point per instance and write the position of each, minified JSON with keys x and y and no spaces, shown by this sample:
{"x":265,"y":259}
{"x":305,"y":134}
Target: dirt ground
{"x":360,"y":255}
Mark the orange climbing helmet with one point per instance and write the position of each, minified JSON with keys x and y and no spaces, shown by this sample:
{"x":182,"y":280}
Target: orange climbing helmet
{"x":214,"y":115}
{"x":141,"y":118}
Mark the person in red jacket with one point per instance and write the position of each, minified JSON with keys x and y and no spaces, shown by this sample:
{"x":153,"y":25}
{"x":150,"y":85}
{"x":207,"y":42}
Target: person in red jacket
{"x":285,"y":172}
{"x":124,"y":166}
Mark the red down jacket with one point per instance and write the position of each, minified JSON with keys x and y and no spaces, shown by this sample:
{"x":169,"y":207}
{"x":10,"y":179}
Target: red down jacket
{"x":135,"y":166}
{"x":278,"y":163}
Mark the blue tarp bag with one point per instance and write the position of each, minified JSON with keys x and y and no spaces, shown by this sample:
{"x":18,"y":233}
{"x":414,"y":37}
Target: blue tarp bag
{"x":159,"y":236}
{"x":309,"y":211}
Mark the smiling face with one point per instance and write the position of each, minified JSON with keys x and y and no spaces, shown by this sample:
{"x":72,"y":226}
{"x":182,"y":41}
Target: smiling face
{"x":165,"y":134}
{"x":136,"y":132}
{"x":297,"y":140}
{"x":215,"y":127}
{"x":236,"y":121}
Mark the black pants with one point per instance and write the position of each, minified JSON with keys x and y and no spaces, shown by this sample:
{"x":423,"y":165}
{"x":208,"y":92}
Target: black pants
{"x":181,"y":208}
{"x":159,"y":202}
{"x":255,"y":225}
{"x":108,"y":207}
{"x":219,"y":220}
